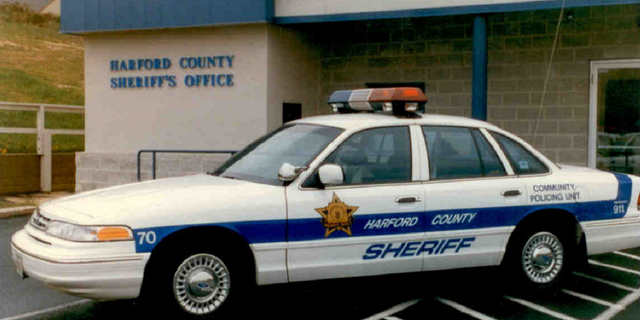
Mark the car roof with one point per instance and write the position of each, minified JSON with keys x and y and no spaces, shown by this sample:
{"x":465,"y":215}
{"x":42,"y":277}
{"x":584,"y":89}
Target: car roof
{"x":360,"y":120}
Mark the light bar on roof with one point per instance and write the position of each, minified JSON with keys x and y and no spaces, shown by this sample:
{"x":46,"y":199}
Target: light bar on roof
{"x":383,"y":99}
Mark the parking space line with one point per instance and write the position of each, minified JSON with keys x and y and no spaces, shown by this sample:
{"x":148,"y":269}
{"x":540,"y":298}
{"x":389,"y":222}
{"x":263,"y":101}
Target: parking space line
{"x":629,"y":299}
{"x":392,"y":318}
{"x":624,"y":254}
{"x":592,"y":299}
{"x":464,"y":309}
{"x":613,"y":284}
{"x":614,"y":267}
{"x":541,"y":309}
{"x":48,"y":310}
{"x":392,"y":310}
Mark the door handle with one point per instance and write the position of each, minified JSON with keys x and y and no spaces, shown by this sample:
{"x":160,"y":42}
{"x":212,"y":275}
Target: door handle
{"x":410,"y":199}
{"x":511,"y":193}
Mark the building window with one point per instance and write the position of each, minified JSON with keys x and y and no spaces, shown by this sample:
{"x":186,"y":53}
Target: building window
{"x":614,"y":126}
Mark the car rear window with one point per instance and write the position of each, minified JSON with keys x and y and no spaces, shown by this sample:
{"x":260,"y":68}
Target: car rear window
{"x":522,"y":161}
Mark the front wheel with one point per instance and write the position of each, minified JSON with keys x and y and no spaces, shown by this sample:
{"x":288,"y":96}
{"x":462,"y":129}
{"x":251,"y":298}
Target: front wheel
{"x":201,"y":284}
{"x":198,"y":282}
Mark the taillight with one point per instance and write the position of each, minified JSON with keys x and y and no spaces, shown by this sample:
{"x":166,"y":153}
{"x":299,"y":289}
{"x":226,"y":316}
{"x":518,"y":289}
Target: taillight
{"x":638,"y":202}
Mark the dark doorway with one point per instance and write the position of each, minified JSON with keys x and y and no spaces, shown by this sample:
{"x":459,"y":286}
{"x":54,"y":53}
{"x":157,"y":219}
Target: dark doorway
{"x":291,"y":111}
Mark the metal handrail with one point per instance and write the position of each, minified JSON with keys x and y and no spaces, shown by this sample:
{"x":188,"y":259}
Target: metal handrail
{"x":154,"y":151}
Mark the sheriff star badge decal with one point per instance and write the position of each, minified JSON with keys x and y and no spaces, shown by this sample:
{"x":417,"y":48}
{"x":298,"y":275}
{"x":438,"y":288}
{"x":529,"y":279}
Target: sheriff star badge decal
{"x":337,"y":215}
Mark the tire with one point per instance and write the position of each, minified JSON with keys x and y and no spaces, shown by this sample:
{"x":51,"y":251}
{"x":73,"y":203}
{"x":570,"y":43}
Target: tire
{"x":197,"y":283}
{"x":201,"y":284}
{"x":539,"y":258}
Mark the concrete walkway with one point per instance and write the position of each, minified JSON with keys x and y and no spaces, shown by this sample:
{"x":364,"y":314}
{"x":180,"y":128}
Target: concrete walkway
{"x":26,"y":203}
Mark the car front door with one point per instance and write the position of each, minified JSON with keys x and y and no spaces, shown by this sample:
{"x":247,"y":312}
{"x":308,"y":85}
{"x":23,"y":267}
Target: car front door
{"x":370,"y":224}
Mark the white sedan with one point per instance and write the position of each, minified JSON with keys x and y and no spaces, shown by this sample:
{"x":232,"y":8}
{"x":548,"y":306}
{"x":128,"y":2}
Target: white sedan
{"x":347,"y":195}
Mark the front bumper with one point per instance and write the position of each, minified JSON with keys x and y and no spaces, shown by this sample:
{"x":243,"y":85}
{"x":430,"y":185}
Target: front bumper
{"x":88,"y":270}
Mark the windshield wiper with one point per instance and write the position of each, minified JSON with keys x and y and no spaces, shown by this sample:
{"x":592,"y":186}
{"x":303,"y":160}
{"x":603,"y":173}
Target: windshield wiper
{"x":230,"y":177}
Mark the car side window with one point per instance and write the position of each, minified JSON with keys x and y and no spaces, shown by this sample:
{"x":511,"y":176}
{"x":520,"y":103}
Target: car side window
{"x":456,"y":153}
{"x":522,"y":161}
{"x":380,"y":155}
{"x":491,"y":164}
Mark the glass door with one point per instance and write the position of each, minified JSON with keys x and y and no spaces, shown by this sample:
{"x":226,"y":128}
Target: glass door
{"x":614,"y":117}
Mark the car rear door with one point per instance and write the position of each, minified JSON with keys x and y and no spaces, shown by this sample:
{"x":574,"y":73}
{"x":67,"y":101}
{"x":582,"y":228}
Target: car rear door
{"x":472,"y":198}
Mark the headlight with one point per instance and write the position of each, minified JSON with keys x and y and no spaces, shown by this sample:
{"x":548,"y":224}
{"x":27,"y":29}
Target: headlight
{"x":74,"y":232}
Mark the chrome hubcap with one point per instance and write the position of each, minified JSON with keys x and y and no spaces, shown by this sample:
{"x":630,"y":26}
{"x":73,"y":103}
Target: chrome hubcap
{"x":542,"y":257}
{"x":201,"y":284}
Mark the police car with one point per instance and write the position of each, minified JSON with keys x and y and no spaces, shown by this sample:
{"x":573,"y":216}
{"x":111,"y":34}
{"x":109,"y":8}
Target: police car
{"x":381,"y":188}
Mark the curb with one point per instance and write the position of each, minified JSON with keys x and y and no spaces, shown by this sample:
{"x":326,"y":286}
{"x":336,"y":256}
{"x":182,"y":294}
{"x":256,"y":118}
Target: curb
{"x":16,"y":211}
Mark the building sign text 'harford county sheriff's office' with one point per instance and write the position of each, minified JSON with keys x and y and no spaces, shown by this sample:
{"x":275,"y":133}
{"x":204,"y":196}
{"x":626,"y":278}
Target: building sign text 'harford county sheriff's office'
{"x":213,"y":79}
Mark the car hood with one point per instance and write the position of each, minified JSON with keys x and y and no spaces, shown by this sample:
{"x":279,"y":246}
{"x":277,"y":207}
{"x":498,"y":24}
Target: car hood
{"x":159,"y":201}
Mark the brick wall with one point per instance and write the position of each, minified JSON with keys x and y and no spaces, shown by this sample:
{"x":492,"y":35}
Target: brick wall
{"x":438,"y":51}
{"x":100,"y":170}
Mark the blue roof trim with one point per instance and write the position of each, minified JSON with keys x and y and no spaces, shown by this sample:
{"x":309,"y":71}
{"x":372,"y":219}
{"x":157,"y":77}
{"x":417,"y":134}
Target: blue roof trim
{"x":448,"y":11}
{"x":82,"y":16}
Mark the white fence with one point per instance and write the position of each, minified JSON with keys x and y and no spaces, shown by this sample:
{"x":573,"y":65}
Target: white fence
{"x":44,"y":135}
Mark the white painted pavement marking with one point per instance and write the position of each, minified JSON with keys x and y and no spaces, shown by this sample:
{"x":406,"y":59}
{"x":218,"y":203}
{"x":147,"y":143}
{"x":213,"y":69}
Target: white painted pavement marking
{"x":48,"y":310}
{"x":541,"y":309}
{"x":391,"y":311}
{"x":392,"y":318}
{"x":630,"y":256}
{"x":629,"y":299}
{"x":592,"y":299}
{"x":614,"y":267}
{"x":464,"y":309}
{"x":613,"y":284}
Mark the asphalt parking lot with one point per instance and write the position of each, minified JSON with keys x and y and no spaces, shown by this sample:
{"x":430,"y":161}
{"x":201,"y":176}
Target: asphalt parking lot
{"x":609,"y":288}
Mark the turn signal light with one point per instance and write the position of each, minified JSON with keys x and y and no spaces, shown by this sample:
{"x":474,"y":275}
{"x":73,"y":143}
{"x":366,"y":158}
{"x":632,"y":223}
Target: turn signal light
{"x":113,"y":233}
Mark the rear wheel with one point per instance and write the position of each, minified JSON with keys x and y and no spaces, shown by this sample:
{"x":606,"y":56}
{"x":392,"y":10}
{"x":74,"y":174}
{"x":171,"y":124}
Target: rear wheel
{"x":538,"y":258}
{"x":543,"y":258}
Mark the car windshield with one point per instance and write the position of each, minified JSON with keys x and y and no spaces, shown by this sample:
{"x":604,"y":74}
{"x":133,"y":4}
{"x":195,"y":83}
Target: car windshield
{"x":260,"y":161}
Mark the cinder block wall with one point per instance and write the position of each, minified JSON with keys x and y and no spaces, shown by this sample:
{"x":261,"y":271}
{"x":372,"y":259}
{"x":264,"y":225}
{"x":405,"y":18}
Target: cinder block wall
{"x":438,"y":52}
{"x":101,"y":170}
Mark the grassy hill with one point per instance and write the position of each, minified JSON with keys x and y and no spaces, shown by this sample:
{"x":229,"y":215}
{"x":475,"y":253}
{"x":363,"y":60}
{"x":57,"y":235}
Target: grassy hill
{"x":39,"y":65}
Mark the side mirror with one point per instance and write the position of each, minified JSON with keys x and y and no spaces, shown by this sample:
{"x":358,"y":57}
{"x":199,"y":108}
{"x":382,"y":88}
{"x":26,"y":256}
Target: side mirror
{"x":331,"y":174}
{"x":288,"y":172}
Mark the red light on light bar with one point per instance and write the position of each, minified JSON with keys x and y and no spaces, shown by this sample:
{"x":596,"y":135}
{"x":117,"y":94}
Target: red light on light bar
{"x":397,"y":94}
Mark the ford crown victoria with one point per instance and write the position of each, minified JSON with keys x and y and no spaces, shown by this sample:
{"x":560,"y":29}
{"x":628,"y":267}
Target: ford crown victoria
{"x":354,"y":194}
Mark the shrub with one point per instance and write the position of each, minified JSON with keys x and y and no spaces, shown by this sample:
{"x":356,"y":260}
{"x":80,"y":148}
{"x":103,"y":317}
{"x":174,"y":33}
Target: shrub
{"x":21,"y":13}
